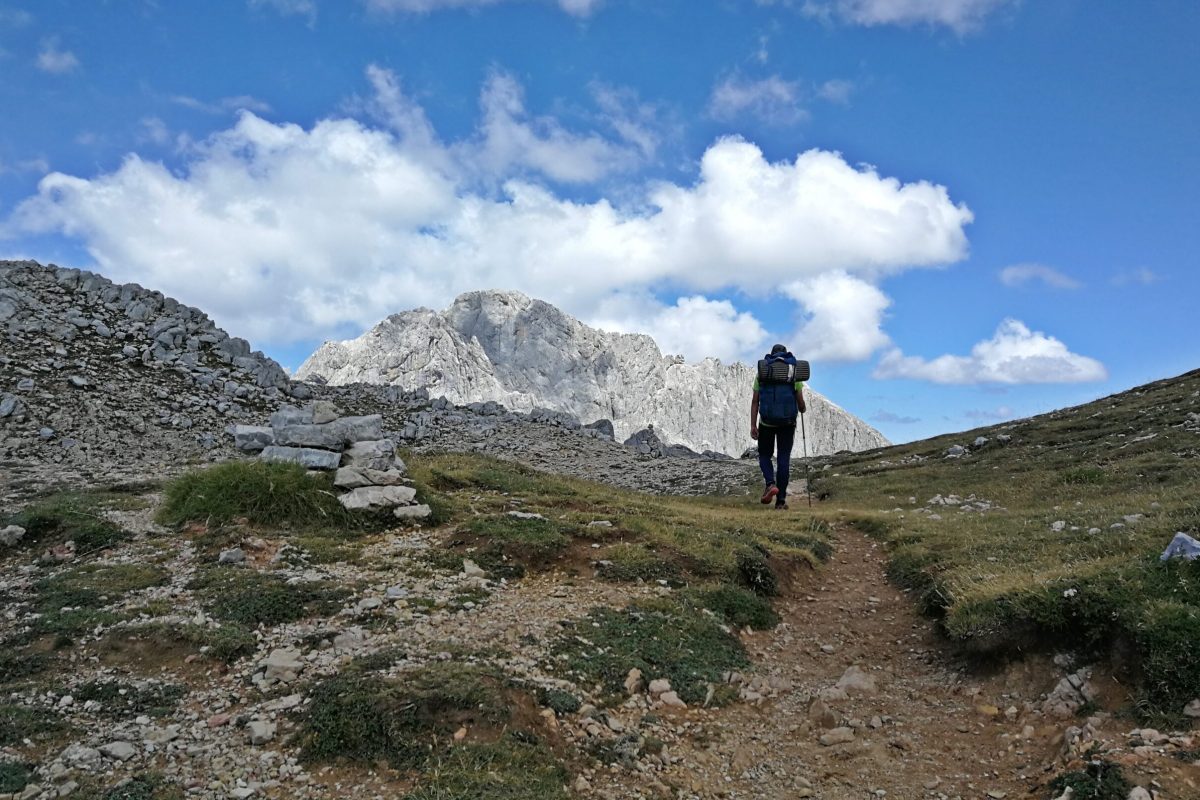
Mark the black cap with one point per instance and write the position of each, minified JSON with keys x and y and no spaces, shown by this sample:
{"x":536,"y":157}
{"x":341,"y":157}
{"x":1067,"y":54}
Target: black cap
{"x":778,"y":349}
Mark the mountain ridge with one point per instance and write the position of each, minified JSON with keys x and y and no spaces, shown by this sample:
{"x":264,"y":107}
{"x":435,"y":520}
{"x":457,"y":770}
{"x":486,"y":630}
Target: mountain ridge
{"x":506,"y":347}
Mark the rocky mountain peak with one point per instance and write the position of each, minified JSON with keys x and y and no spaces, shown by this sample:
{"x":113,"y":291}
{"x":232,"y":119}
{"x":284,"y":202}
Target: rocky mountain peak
{"x":524,"y":353}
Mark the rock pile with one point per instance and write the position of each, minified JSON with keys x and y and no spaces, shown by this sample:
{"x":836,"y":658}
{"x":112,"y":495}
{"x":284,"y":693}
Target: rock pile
{"x":319,"y":438}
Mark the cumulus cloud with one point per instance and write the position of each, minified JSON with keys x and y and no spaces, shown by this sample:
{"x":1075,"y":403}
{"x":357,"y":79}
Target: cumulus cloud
{"x":844,"y":317}
{"x":285,"y":233}
{"x":1021,"y":274}
{"x":53,"y":59}
{"x":579,"y":8}
{"x":1013,"y":355}
{"x":771,"y":99}
{"x":961,"y":16}
{"x":694,"y":327}
{"x":153,"y":129}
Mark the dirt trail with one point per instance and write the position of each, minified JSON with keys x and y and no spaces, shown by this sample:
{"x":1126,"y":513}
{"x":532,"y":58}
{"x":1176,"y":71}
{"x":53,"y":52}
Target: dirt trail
{"x":931,"y":728}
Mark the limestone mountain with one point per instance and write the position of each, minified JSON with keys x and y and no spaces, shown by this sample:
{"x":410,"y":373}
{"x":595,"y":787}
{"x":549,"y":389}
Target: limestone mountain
{"x":525,"y":353}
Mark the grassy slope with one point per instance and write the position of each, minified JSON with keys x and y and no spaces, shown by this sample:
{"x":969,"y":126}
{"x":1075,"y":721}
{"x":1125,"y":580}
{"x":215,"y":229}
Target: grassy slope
{"x":1004,"y":578}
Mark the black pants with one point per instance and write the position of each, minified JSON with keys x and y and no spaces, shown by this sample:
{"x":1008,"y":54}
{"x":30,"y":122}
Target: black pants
{"x":768,"y":438}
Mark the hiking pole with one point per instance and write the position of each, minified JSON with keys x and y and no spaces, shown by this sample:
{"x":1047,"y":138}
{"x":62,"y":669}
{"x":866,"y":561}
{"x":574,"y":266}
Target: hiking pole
{"x":804,"y":441}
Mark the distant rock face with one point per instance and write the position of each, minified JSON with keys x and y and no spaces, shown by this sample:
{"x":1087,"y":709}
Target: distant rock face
{"x":524,"y":353}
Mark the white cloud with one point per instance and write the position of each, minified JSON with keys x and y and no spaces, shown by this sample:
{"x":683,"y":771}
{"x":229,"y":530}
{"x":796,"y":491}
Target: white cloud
{"x":844,"y":317}
{"x":53,"y":59}
{"x":998,"y":414}
{"x":1021,"y":274}
{"x":153,"y":129}
{"x":284,"y":233}
{"x":1013,"y":355}
{"x":579,"y":8}
{"x":1142,"y":276}
{"x":224,"y":105}
{"x":961,"y":16}
{"x":694,"y":327}
{"x":836,"y":91}
{"x":33,"y":165}
{"x":14,"y":18}
{"x":302,"y":8}
{"x":771,"y":99}
{"x":513,"y":142}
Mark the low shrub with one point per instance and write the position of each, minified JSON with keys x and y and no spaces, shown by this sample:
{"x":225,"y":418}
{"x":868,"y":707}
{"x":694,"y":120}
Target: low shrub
{"x":18,"y":723}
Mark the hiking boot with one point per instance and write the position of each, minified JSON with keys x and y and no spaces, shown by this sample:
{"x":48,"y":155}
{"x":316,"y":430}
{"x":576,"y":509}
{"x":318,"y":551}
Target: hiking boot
{"x":781,"y":505}
{"x":770,"y":493}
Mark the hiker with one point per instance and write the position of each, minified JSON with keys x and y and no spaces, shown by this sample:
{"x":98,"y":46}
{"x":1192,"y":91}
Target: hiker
{"x":779,"y":402}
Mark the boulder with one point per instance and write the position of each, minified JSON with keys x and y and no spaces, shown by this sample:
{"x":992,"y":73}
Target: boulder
{"x":252,"y":438}
{"x":12,"y":534}
{"x":412,"y":512}
{"x":379,"y":454}
{"x":361,"y":429}
{"x":372,"y":498}
{"x":357,"y":477}
{"x":283,"y":665}
{"x":260,"y":731}
{"x":329,"y":436}
{"x":323,"y":411}
{"x":304,"y":456}
{"x":290,"y":415}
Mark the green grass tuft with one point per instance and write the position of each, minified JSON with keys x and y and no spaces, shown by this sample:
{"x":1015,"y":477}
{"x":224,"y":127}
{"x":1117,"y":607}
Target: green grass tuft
{"x":14,"y":777}
{"x":70,"y":516}
{"x":18,"y":723}
{"x":1101,"y":780}
{"x":364,"y":718}
{"x":263,"y":494}
{"x":513,"y":768}
{"x":662,"y":638}
{"x":736,"y":605}
{"x":123,"y":700}
{"x":246,"y":597}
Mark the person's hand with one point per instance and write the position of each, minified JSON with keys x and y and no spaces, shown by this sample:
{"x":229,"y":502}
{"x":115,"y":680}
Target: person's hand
{"x":754,"y":432}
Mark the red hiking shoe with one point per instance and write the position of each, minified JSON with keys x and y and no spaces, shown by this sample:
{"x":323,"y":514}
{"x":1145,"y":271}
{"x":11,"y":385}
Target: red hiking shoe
{"x":769,"y":494}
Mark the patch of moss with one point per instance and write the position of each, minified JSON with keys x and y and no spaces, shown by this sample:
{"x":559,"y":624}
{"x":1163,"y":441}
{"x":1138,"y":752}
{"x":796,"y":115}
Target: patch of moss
{"x":736,"y":605}
{"x":123,"y":700}
{"x":247,"y":597}
{"x":513,"y":768}
{"x":365,"y":718}
{"x":17,"y":663}
{"x":662,"y":638}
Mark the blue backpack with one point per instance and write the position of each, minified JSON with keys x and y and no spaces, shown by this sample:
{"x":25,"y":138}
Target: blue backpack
{"x":777,"y":378}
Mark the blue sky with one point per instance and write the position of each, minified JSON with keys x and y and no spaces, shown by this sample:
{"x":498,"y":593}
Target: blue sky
{"x":960,"y":211}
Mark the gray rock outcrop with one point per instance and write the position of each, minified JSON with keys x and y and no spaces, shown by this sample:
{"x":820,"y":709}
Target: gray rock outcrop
{"x":525,"y":354}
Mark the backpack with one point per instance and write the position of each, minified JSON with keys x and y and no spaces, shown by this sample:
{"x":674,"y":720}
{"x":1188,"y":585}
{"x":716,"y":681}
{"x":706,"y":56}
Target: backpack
{"x":777,"y":378}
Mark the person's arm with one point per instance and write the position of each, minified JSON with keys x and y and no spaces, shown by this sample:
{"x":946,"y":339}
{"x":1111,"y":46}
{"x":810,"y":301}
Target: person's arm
{"x":754,"y":415}
{"x":800,"y":398}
